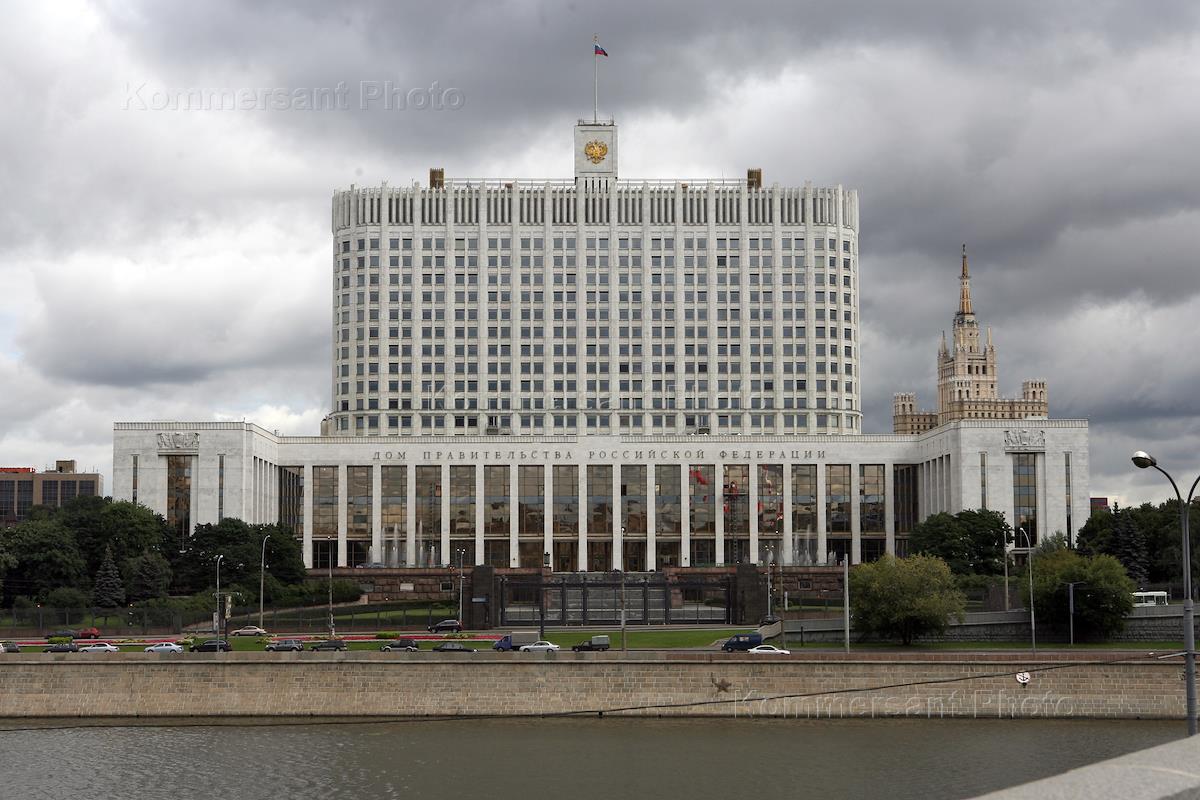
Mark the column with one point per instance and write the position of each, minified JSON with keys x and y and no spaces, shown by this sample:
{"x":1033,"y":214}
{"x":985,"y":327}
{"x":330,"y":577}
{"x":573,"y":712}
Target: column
{"x":789,"y":544}
{"x":685,"y":510}
{"x":752,"y":502}
{"x":651,"y":517}
{"x":617,"y":537}
{"x":855,"y":514}
{"x":479,"y":516}
{"x":410,"y":515}
{"x":547,"y":515}
{"x":889,"y":508}
{"x":514,"y":510}
{"x":306,"y":543}
{"x":447,"y":556}
{"x":581,"y":490}
{"x":376,"y":513}
{"x":719,"y":488}
{"x":341,"y":517}
{"x":822,"y":523}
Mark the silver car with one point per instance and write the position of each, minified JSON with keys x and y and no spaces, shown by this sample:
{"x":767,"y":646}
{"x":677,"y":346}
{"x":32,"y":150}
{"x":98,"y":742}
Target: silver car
{"x":163,"y":647}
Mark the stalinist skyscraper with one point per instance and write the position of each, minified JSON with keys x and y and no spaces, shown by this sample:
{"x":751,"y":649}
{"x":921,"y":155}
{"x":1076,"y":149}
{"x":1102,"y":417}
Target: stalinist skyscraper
{"x":967,"y":378}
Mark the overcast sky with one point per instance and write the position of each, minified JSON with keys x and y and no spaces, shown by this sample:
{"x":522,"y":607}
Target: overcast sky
{"x":165,"y":263}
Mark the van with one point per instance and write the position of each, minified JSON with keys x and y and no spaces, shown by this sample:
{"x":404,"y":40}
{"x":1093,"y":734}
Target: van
{"x":741,"y":642}
{"x":514,"y":640}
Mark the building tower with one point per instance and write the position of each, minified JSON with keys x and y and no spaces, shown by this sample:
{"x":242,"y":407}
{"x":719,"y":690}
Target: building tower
{"x":594,"y":305}
{"x":967,"y":377}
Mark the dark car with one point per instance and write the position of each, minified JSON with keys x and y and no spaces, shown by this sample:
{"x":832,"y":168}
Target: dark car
{"x":211,"y":646}
{"x":282,"y":645}
{"x":9,"y":647}
{"x":400,"y":645}
{"x":61,"y":635}
{"x":62,"y":647}
{"x":330,"y":644}
{"x":446,"y":626}
{"x":453,"y":647}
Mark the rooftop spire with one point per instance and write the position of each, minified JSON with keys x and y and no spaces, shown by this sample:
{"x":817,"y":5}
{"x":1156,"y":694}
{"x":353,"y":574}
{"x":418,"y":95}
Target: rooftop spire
{"x":964,"y":297}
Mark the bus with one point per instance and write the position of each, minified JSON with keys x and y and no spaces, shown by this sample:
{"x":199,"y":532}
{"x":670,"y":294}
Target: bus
{"x":1141,"y":599}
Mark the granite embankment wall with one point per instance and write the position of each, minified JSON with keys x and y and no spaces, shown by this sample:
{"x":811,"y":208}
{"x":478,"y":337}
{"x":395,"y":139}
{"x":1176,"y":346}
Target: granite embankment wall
{"x":373,"y":684}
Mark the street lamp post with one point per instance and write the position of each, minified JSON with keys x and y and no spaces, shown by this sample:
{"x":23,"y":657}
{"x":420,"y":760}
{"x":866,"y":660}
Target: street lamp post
{"x":217,"y":617}
{"x":329,"y":550}
{"x":1142,"y":460}
{"x":1032,"y":617}
{"x":461,"y":552}
{"x":262,"y":570}
{"x":542,"y":597}
{"x":770,"y":600}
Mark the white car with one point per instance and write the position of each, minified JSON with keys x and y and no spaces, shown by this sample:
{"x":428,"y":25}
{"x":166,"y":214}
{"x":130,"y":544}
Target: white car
{"x":539,"y":647}
{"x":249,"y":630}
{"x":164,"y":647}
{"x":770,"y":650}
{"x":100,"y":647}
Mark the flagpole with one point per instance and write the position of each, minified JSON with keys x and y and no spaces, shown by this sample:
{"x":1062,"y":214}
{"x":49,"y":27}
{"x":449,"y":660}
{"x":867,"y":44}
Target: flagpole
{"x":595,"y":80}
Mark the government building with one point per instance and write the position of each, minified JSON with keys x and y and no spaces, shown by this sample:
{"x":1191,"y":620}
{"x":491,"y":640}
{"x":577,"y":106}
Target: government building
{"x":608,"y":373}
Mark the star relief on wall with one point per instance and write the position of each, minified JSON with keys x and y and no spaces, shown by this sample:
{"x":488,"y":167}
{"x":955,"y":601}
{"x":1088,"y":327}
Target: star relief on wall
{"x":595,"y":150}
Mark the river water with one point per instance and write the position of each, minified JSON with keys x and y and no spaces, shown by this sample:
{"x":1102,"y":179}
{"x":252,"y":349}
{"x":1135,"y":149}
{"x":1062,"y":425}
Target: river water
{"x":576,"y":758}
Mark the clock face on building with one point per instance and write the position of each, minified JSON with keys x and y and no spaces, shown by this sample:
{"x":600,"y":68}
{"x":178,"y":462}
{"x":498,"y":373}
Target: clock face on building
{"x":595,"y":150}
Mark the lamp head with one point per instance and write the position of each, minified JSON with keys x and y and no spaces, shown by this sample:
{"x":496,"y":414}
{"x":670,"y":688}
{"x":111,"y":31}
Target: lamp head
{"x":1142,"y":460}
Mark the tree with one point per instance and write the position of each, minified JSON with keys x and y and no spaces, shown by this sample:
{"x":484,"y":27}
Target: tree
{"x":45,"y":555}
{"x":128,"y":528}
{"x":150,"y":576}
{"x":241,"y":545}
{"x":970,"y":542}
{"x":1128,"y":545}
{"x":107,"y":590}
{"x":1103,"y":598}
{"x":904,"y":597}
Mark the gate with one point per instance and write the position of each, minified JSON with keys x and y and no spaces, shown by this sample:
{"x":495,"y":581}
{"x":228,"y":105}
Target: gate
{"x":595,"y":598}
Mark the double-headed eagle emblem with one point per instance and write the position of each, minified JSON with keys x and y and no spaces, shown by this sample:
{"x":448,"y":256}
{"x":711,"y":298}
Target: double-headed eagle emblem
{"x":595,"y":150}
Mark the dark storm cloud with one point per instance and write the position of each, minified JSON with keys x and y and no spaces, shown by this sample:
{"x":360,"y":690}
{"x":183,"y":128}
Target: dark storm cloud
{"x":1056,"y":139}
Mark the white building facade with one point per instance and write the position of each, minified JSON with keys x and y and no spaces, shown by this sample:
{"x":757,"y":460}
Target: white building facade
{"x":604,"y":502}
{"x":599,"y":374}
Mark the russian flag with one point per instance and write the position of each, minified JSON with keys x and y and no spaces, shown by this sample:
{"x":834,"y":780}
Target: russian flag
{"x":600,"y":51}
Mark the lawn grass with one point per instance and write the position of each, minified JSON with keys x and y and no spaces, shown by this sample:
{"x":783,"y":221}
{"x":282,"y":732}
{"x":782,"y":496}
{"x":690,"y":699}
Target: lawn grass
{"x":793,"y":643}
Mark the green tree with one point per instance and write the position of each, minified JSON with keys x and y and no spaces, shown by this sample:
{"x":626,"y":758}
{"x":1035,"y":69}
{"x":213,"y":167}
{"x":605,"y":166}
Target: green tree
{"x":970,"y":542}
{"x":107,"y":590}
{"x":100,"y":522}
{"x":241,"y":545}
{"x":45,"y":555}
{"x":149,"y":576}
{"x":1129,"y":547}
{"x":1103,"y":598}
{"x":904,"y":597}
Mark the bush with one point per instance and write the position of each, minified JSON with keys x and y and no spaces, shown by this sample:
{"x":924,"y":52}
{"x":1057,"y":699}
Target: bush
{"x":59,"y":640}
{"x":67,"y":597}
{"x":904,"y":597}
{"x":388,"y":635}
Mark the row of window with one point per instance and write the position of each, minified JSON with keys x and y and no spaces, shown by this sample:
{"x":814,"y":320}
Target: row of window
{"x":597,"y":243}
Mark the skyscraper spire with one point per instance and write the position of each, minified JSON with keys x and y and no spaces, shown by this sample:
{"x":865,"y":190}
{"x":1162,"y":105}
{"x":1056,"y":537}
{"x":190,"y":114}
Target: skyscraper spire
{"x":964,"y":298}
